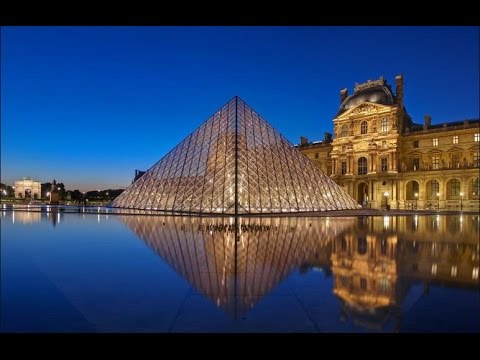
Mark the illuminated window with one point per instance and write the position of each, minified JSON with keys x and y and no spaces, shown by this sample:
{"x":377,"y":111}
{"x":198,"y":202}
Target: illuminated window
{"x":362,"y":166}
{"x":476,"y":189}
{"x":434,"y":269}
{"x":435,"y":142}
{"x":433,"y":188}
{"x":384,"y":124}
{"x":453,"y":272}
{"x":384,"y":163}
{"x":416,"y":163}
{"x":316,"y":155}
{"x":455,"y":139}
{"x":435,"y":162}
{"x":344,"y":167}
{"x":453,"y":187}
{"x":456,"y":160}
{"x":383,"y":285}
{"x":476,"y":137}
{"x":363,"y":127}
{"x":344,"y":132}
{"x":415,"y":144}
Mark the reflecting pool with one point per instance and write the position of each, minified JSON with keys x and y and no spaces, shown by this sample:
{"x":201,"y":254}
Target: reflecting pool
{"x":86,"y":272}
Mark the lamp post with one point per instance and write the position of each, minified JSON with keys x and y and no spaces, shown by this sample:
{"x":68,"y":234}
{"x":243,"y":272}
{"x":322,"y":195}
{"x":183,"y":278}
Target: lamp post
{"x":461,"y":201}
{"x":416,"y":199}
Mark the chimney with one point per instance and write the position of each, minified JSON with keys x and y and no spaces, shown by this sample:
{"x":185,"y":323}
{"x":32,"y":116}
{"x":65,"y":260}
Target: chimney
{"x":327,"y":137}
{"x":399,"y":89}
{"x":428,"y":122}
{"x":343,"y":94}
{"x":303,"y":140}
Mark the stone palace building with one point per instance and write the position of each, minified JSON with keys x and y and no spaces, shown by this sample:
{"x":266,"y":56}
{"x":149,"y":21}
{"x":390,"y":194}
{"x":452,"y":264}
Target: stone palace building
{"x":385,"y":160}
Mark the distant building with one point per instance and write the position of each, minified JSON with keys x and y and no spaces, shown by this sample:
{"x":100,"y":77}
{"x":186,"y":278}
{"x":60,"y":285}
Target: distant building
{"x":383,"y":159}
{"x":138,"y":175}
{"x":28,"y":189}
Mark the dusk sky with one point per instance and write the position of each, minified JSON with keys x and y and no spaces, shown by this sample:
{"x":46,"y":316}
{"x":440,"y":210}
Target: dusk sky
{"x":89,"y":105}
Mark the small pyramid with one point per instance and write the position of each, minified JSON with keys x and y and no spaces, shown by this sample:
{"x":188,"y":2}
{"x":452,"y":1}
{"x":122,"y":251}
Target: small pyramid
{"x":235,"y":163}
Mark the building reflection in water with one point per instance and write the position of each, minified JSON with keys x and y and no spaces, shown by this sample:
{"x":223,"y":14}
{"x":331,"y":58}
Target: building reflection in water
{"x":374,"y":260}
{"x":28,"y":216}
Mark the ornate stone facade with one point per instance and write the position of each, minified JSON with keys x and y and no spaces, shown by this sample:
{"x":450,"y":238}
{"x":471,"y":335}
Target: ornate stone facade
{"x":27,"y":189}
{"x":385,"y":160}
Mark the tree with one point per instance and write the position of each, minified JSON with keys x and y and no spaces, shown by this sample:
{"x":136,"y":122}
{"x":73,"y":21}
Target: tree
{"x":8,"y":189}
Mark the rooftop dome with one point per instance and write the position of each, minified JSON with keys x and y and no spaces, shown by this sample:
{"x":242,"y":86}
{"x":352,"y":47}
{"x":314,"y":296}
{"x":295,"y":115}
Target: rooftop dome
{"x":379,"y":94}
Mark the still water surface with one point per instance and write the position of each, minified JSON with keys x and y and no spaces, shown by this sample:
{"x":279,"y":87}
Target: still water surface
{"x":139,"y":273}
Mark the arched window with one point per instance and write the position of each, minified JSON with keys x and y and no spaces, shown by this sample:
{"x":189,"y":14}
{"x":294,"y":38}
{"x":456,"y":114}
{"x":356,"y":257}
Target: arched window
{"x":475,"y":190}
{"x":363,"y":127}
{"x":344,"y":132}
{"x":362,"y":166}
{"x":433,"y":190}
{"x":413,"y":191}
{"x":453,"y":189}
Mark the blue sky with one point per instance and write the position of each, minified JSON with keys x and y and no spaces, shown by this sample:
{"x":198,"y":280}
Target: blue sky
{"x":89,"y":105}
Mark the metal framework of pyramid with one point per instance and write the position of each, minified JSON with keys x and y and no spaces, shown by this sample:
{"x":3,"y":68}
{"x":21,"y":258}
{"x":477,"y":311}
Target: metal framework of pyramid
{"x":235,"y":163}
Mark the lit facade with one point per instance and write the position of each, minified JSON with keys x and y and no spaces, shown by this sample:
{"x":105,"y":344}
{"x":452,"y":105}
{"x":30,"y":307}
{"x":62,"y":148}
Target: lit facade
{"x":27,"y":188}
{"x":383,"y":159}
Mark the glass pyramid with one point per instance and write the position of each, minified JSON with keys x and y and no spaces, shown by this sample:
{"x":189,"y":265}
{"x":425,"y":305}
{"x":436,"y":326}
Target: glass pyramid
{"x":235,"y":163}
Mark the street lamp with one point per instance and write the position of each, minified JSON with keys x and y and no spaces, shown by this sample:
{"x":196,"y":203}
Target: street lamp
{"x":416,"y":199}
{"x":461,"y":201}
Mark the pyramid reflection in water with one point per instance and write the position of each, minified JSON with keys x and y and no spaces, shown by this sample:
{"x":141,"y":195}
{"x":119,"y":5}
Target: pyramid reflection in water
{"x":235,"y":163}
{"x":234,"y":275}
{"x":374,"y":261}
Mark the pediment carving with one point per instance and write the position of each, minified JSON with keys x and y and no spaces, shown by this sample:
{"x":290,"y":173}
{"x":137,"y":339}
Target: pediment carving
{"x":364,"y":108}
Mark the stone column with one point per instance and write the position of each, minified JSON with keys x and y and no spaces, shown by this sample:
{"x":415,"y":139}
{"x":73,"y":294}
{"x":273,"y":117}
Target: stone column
{"x":394,"y":161}
{"x":370,"y":190}
{"x":394,"y":194}
{"x":442,"y":189}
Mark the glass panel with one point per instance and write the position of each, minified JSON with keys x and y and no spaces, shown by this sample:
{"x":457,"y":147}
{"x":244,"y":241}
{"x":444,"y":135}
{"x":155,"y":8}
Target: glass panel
{"x":235,"y":163}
